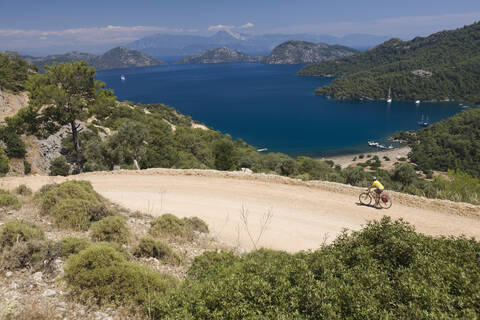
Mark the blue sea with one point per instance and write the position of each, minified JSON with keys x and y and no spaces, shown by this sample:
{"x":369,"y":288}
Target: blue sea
{"x":269,"y":106}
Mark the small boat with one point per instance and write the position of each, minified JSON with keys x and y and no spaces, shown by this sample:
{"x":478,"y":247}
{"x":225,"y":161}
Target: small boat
{"x":390,"y":147}
{"x":389,"y":100}
{"x":122,"y":77}
{"x":417,"y":102}
{"x":424,"y":123}
{"x":263,"y":149}
{"x":465,"y":107}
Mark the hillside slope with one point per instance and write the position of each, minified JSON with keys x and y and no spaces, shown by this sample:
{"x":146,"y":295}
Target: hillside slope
{"x":442,"y":66}
{"x":304,"y":214}
{"x":296,"y":52}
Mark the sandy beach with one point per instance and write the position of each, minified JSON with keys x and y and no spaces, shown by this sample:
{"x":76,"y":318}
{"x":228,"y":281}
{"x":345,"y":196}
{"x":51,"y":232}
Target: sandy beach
{"x":394,"y":154}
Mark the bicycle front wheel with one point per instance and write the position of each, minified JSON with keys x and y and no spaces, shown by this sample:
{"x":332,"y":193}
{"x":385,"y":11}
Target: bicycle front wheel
{"x":386,"y":204}
{"x":365,"y":198}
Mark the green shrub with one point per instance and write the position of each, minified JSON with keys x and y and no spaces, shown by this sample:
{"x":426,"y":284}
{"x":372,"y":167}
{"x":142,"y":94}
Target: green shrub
{"x":14,"y":231}
{"x":152,"y":248}
{"x":4,"y":163}
{"x":353,"y":175}
{"x":110,"y":229}
{"x":27,"y":167}
{"x":102,"y":274}
{"x":223,"y":155}
{"x":404,"y":173}
{"x":15,"y":147}
{"x":402,"y":159}
{"x":384,"y":271}
{"x":35,"y":254}
{"x":23,"y":190}
{"x":386,"y":158}
{"x":354,"y":159}
{"x":170,"y":226}
{"x":196,"y":224}
{"x":73,"y":204}
{"x":71,"y":213}
{"x":8,"y":200}
{"x":59,"y":167}
{"x":361,"y":156}
{"x":73,"y":245}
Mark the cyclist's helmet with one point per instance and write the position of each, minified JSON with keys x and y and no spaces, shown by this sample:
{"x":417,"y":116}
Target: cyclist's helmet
{"x":374,"y":178}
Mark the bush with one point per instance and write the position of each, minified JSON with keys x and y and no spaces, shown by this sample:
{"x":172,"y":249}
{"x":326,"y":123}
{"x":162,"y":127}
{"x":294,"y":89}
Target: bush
{"x":196,"y":224}
{"x":59,"y":167}
{"x":8,"y":200}
{"x":223,"y":155}
{"x":14,"y":231}
{"x":102,"y":274}
{"x":403,"y":159}
{"x":386,"y":270}
{"x":110,"y":229}
{"x":386,"y":158}
{"x":73,"y":204}
{"x":151,"y":248}
{"x":361,"y":156}
{"x":15,"y":147}
{"x":404,"y":173}
{"x":169,"y":226}
{"x":353,"y":175}
{"x":23,"y":190}
{"x":27,"y":167}
{"x":4,"y":163}
{"x":35,"y":254}
{"x":73,"y":245}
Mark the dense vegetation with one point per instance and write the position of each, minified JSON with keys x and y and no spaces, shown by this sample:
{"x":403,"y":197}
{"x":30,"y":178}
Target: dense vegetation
{"x":13,"y":72}
{"x":453,"y":143}
{"x":443,"y":66}
{"x":384,"y":271}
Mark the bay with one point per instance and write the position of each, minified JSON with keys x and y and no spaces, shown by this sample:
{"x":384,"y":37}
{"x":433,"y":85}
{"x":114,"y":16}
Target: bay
{"x":269,"y":106}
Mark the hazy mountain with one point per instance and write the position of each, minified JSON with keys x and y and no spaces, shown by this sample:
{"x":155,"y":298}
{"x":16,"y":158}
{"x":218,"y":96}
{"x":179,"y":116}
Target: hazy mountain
{"x":296,"y":52}
{"x":163,"y":45}
{"x":118,"y":57}
{"x":219,"y":55}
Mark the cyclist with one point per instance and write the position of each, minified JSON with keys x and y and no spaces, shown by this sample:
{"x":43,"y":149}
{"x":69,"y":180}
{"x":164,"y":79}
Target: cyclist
{"x":378,"y":189}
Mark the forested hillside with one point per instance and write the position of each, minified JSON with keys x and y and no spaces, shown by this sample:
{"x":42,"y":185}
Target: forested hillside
{"x":443,"y":66}
{"x":452,"y":144}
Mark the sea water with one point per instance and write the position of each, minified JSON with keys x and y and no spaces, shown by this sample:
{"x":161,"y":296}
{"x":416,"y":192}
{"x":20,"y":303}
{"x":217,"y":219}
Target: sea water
{"x":269,"y":106}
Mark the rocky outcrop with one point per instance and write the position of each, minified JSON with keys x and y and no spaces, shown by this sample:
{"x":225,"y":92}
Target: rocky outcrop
{"x":219,"y":55}
{"x":297,"y":52}
{"x":10,"y":103}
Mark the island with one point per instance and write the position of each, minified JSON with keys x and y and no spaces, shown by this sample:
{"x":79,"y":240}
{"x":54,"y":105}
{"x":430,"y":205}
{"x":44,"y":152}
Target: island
{"x":219,"y":55}
{"x":297,"y":52}
{"x":119,"y":57}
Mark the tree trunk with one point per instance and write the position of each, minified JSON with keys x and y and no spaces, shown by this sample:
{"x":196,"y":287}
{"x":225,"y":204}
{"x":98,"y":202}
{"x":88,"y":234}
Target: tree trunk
{"x":76,"y":145}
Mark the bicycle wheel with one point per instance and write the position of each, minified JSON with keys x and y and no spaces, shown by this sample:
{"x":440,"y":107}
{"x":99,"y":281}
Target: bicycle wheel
{"x":387,"y":204}
{"x":365,"y":198}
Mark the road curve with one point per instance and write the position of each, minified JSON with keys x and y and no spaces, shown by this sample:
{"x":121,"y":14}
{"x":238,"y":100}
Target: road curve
{"x":303,"y":214}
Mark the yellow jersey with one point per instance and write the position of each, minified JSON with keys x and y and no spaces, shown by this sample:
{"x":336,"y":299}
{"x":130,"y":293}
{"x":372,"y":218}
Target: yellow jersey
{"x":377,"y":184}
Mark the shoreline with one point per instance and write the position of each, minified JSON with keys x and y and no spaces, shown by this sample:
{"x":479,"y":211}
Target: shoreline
{"x":347,"y":159}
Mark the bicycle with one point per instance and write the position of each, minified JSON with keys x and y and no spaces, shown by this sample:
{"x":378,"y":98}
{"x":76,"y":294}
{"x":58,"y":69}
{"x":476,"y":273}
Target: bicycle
{"x":366,"y":199}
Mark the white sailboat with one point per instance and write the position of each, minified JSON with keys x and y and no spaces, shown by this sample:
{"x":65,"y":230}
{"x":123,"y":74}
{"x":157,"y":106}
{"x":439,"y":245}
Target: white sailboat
{"x":389,"y":100}
{"x":417,"y":102}
{"x":122,"y":77}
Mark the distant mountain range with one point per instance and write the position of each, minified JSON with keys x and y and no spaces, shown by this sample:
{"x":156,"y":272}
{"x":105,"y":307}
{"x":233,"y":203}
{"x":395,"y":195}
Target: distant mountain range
{"x":165,"y":45}
{"x":290,"y":52}
{"x":118,"y":57}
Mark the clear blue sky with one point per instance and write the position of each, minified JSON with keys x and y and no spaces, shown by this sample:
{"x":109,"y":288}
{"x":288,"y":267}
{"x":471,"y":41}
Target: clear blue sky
{"x":35,"y":23}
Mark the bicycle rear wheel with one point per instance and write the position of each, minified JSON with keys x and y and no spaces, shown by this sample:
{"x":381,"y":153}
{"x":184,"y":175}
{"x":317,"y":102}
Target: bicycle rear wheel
{"x":365,"y":198}
{"x":387,"y":204}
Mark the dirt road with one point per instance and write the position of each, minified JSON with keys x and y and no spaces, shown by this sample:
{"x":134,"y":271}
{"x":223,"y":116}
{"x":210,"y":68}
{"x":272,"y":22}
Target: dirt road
{"x":303,"y":215}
